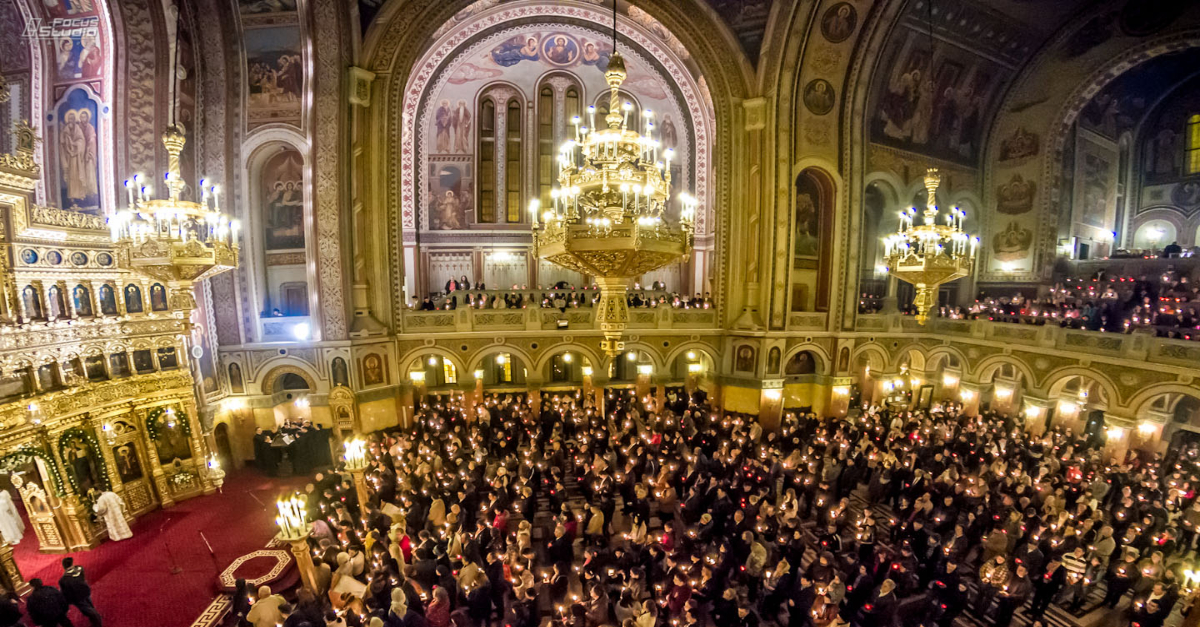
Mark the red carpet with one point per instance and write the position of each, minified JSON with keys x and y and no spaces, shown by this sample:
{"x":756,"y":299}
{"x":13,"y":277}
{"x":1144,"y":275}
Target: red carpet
{"x":132,"y":584}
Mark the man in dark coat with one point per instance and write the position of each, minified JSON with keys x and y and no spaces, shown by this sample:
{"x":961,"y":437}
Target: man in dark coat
{"x":77,"y":591}
{"x":47,"y":606}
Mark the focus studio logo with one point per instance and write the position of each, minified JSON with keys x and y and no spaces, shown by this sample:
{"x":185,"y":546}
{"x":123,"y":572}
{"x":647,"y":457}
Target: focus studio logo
{"x":62,"y":28}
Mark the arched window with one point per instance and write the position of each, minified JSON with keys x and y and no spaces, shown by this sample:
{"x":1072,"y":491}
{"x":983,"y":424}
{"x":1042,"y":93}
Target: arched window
{"x":546,"y":162}
{"x":573,"y":103}
{"x":512,"y":168}
{"x":487,"y":161}
{"x":1193,"y":145}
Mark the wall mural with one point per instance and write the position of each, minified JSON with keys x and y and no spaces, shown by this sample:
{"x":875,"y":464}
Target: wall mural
{"x":274,"y":74}
{"x":522,"y":58}
{"x":79,"y":151}
{"x":1094,"y":196}
{"x":937,"y":113}
{"x":283,"y":201}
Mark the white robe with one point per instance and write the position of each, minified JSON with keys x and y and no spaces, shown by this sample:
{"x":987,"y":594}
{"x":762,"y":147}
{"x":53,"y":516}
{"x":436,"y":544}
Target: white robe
{"x":111,"y":508}
{"x":12,"y":528}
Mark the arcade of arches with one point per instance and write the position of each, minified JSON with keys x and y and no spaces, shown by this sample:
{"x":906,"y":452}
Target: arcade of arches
{"x":380,"y":156}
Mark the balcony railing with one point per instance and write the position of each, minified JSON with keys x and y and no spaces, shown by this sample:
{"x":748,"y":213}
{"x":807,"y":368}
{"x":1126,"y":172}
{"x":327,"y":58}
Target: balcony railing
{"x":549,"y":319}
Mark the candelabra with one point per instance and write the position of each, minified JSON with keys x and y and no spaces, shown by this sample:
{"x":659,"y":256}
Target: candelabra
{"x":609,"y":216}
{"x":294,"y":529}
{"x":356,"y":463}
{"x":929,"y":255}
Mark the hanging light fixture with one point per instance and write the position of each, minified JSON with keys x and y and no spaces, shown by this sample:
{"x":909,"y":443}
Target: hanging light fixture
{"x":608,"y":216}
{"x":935,"y":251}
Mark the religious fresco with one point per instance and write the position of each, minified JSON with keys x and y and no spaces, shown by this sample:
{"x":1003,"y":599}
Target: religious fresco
{"x":451,"y":204}
{"x":1095,"y":182}
{"x":807,"y":243}
{"x":522,"y":58}
{"x":838,"y":22}
{"x":77,"y":143}
{"x":274,"y":75}
{"x":283,"y":201}
{"x":934,"y":103}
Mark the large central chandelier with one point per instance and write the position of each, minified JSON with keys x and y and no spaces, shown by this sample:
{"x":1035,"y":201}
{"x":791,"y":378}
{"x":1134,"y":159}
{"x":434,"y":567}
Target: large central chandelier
{"x":930,"y":254}
{"x":174,"y":240}
{"x":608,"y":217}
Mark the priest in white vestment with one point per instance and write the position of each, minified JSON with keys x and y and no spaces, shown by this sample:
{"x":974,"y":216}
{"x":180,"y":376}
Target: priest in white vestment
{"x":12,"y":527}
{"x":111,"y":508}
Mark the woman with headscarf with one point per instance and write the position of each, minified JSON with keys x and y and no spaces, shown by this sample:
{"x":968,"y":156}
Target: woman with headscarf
{"x":438,"y":612}
{"x":344,"y":583}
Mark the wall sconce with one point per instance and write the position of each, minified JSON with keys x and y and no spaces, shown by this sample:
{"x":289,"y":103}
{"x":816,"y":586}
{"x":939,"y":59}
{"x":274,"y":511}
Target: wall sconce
{"x":631,"y":356}
{"x":645,"y":369}
{"x":949,"y":380}
{"x":302,"y":402}
{"x":695,"y":368}
{"x":567,"y":358}
{"x":432,"y":360}
{"x":1004,"y":393}
{"x":691,"y":355}
{"x":841,"y":390}
{"x":500,"y":359}
{"x":888,"y":386}
{"x":1147,"y":428}
{"x":1116,"y":433}
{"x":967,"y":396}
{"x":587,"y":371}
{"x":773,"y":394}
{"x":1033,"y":413}
{"x":478,"y":374}
{"x":915,"y":382}
{"x":417,"y":376}
{"x":1067,"y":407}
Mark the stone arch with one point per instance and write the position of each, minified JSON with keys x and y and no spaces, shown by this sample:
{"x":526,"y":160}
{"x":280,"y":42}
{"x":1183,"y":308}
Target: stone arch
{"x":643,"y":350}
{"x":938,"y":354}
{"x":407,"y":359}
{"x":1142,"y":399}
{"x":267,"y":382}
{"x":917,"y":357}
{"x":824,"y":361}
{"x":812,"y":177}
{"x":1055,"y":380}
{"x":989,"y":365}
{"x":404,"y":31}
{"x":592,"y":356}
{"x":877,"y":357}
{"x":259,"y":149}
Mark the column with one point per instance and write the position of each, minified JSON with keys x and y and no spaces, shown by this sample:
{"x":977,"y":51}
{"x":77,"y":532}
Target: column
{"x":1119,"y":431}
{"x":969,"y":395}
{"x":94,"y":290}
{"x":1036,"y":413}
{"x":535,"y":396}
{"x":839,"y":397}
{"x":1147,"y":437}
{"x":156,"y":472}
{"x":40,"y":291}
{"x":660,"y":391}
{"x":599,"y":398}
{"x":199,"y":451}
{"x":1004,"y":396}
{"x":406,"y":402}
{"x":770,"y":407}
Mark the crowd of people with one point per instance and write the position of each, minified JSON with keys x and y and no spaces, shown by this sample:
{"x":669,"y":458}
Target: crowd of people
{"x":561,"y":296}
{"x":634,"y":515}
{"x":1168,"y":305}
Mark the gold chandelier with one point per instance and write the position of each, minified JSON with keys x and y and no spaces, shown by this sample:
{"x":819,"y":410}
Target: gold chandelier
{"x":170,"y":239}
{"x":608,"y":217}
{"x":930,"y":254}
